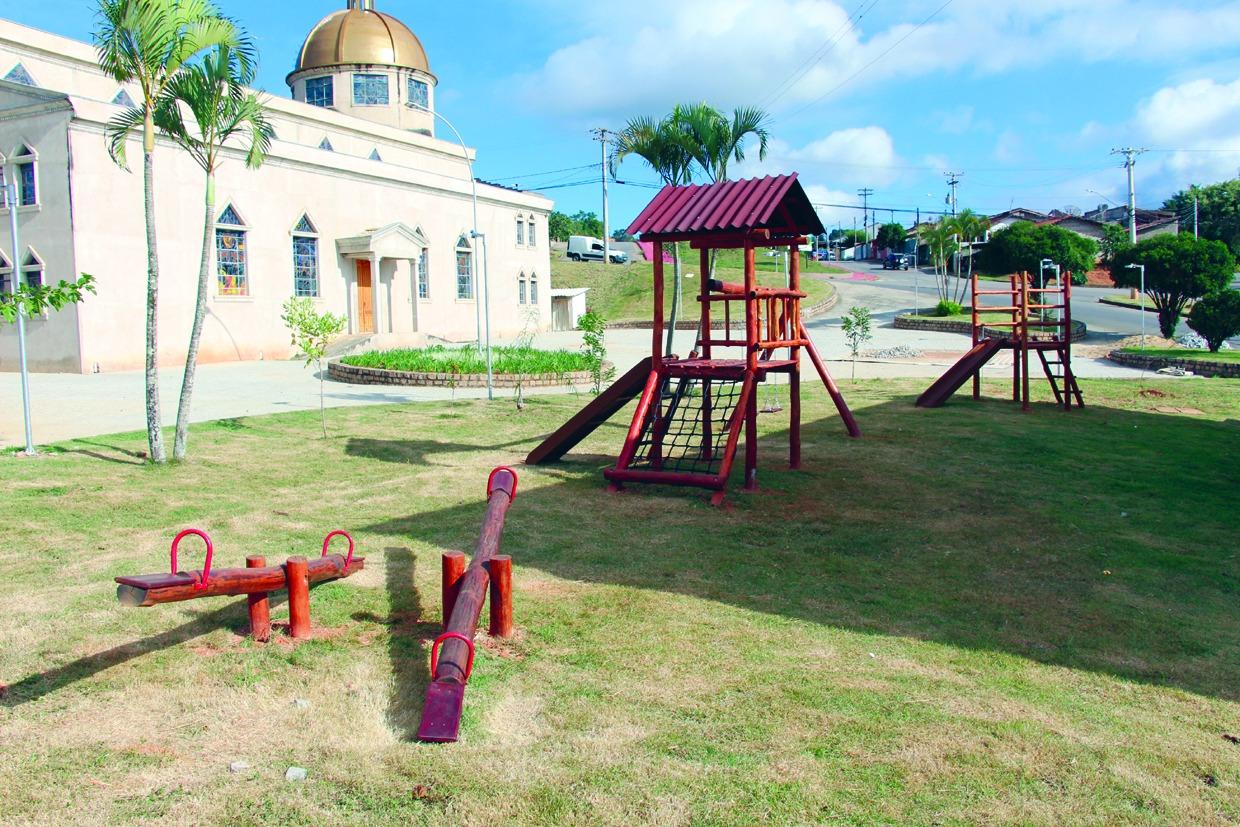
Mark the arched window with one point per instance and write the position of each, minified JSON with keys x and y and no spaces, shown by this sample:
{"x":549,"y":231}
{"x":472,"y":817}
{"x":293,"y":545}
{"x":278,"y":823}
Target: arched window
{"x":305,"y":259}
{"x":32,"y":270}
{"x":424,"y":274}
{"x":464,"y":269}
{"x":533,"y":288}
{"x":232,"y":268}
{"x":520,"y":231}
{"x":533,"y":238}
{"x":18,"y":74}
{"x":6,"y":276}
{"x":25,"y":163}
{"x":521,"y":288}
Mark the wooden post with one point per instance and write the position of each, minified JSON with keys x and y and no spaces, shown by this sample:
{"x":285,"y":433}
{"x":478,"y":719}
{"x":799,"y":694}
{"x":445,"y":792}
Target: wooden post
{"x":657,"y":320}
{"x":1024,"y":341}
{"x":500,"y":568}
{"x":977,"y":338}
{"x":704,"y":336}
{"x":1015,"y":332}
{"x":260,"y":605}
{"x":751,"y":443}
{"x":452,"y":565}
{"x":298,"y":597}
{"x":751,"y":309}
{"x":792,"y":327}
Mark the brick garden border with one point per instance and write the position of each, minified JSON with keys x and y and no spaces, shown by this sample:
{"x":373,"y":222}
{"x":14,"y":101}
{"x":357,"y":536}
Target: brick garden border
{"x":1079,"y":330}
{"x":1200,"y":367}
{"x":355,"y":375}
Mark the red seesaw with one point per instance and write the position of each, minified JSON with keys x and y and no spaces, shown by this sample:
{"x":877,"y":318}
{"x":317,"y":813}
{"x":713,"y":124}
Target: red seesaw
{"x":257,"y":580}
{"x":464,"y":591}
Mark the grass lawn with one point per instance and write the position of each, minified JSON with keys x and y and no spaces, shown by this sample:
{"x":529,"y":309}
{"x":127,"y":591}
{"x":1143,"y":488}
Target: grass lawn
{"x":1185,"y":353}
{"x":467,"y":360}
{"x":623,"y":293}
{"x":972,"y":615}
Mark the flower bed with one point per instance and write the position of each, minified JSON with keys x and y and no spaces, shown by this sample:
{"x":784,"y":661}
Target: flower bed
{"x":954,"y":325}
{"x":1198,"y":362}
{"x":463,"y":367}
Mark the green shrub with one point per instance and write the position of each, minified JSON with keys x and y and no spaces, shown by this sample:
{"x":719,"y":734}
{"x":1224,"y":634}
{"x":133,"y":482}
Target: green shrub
{"x":946,"y":307}
{"x":1080,"y":278}
{"x":468,"y":360}
{"x":1217,"y":317}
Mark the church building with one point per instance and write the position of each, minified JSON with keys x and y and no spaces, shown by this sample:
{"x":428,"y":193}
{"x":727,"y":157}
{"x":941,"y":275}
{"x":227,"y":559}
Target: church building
{"x":365,"y":205}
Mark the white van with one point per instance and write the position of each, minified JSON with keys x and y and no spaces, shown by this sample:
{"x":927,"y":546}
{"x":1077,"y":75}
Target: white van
{"x":584,"y":248}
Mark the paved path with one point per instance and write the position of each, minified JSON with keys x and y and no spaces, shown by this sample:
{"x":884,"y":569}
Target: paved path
{"x":67,"y":406}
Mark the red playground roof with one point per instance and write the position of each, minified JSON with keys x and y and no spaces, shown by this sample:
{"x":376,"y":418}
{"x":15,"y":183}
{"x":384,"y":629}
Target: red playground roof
{"x":778,"y":204}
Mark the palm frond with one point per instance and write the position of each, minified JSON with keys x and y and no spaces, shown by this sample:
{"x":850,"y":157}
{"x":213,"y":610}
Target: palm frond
{"x":118,"y":131}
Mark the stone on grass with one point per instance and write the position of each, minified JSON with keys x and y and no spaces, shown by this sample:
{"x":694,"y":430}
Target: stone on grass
{"x":295,"y":774}
{"x":301,"y":703}
{"x":238,"y":766}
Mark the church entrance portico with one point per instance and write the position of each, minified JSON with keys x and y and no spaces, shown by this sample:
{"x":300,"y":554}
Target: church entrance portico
{"x":384,"y":273}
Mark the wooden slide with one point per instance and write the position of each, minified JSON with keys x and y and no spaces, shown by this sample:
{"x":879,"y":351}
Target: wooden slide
{"x":959,"y":373}
{"x":606,"y":405}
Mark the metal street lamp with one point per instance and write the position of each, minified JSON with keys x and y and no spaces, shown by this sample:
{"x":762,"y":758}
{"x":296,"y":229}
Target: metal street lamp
{"x":10,"y":199}
{"x":482,"y":301}
{"x":1140,"y":267}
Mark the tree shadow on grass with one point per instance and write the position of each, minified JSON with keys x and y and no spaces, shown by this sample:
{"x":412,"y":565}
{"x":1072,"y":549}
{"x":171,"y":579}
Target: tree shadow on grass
{"x":111,"y":453}
{"x":1073,"y":539}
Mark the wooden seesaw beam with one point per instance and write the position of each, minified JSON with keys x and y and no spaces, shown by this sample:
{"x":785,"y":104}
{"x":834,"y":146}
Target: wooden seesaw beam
{"x":256,"y":581}
{"x":451,"y":666}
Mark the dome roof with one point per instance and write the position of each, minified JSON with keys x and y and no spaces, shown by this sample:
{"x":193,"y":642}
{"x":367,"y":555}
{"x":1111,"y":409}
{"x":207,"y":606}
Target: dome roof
{"x":360,"y":35}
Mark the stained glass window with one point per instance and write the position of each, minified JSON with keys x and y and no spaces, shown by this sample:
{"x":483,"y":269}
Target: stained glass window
{"x":521,"y":232}
{"x":464,"y":269}
{"x":229,"y":216}
{"x":533,"y":238}
{"x":32,"y":271}
{"x":304,"y":226}
{"x":230,"y":259}
{"x":419,"y":94}
{"x":424,"y":274}
{"x":327,"y":145}
{"x":320,"y":92}
{"x":122,"y":99}
{"x":521,"y":289}
{"x":374,"y":155}
{"x":6,"y":275}
{"x":18,"y":74}
{"x":370,"y":90}
{"x":28,"y":191}
{"x":305,"y":266}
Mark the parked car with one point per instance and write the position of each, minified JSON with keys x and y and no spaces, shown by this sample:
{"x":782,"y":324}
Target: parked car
{"x":895,"y":261}
{"x":584,"y":248}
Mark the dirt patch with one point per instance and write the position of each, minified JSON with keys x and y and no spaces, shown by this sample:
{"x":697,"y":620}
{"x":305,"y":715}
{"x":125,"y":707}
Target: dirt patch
{"x":1170,"y":410}
{"x":1151,"y":393}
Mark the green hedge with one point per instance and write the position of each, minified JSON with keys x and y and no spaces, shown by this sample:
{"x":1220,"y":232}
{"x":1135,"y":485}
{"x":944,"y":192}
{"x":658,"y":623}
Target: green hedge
{"x":468,"y":360}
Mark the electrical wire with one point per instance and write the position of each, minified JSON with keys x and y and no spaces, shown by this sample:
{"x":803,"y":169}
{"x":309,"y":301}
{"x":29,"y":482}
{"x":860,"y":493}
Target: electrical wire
{"x":817,"y":57}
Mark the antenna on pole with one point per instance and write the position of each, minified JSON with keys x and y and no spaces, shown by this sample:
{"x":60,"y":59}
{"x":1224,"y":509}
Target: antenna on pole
{"x":865,"y":194}
{"x":603,"y":135}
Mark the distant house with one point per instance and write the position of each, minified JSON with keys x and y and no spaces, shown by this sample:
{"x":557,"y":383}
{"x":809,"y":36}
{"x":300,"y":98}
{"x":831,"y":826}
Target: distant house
{"x":1149,"y":222}
{"x":1077,"y":224}
{"x":1007,"y":218}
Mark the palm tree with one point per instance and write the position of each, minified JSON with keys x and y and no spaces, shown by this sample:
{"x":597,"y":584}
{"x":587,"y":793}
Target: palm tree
{"x":939,"y":239}
{"x":968,"y":227}
{"x":214,"y":94}
{"x":148,"y":42}
{"x":714,"y":141}
{"x":665,"y":147}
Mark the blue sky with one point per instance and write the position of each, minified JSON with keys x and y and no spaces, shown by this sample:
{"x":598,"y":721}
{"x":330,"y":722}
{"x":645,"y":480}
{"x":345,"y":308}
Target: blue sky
{"x":1025,"y":99}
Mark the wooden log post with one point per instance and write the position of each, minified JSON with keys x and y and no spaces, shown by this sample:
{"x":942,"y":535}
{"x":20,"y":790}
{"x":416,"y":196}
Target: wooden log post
{"x":153,"y":589}
{"x":259,"y":604}
{"x":297,"y":570}
{"x":500,"y":569}
{"x":452,"y":565}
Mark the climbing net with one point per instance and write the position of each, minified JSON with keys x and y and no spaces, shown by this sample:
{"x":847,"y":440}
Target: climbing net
{"x":674,"y":435}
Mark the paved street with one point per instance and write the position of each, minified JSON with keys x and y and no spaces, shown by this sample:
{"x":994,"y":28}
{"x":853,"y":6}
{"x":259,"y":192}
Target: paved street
{"x":68,"y":406}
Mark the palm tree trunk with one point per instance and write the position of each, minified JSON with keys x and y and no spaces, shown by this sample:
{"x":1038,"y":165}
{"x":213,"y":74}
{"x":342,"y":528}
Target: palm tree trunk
{"x":195,"y":335}
{"x":672,"y":316}
{"x":154,"y":425}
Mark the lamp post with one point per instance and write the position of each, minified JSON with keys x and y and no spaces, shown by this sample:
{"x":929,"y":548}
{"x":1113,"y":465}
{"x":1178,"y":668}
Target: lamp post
{"x":1140,"y":267}
{"x":482,"y":301}
{"x":10,"y":199}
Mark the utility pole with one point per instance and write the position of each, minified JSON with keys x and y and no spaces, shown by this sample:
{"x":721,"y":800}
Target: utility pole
{"x":602,"y":135}
{"x":865,"y":212}
{"x":953,"y":180}
{"x":10,"y":200}
{"x":1195,"y":217}
{"x":1130,"y":162}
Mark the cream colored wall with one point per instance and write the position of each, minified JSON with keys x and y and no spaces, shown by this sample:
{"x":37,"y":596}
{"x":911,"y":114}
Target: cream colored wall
{"x":421,"y":182}
{"x":52,"y":341}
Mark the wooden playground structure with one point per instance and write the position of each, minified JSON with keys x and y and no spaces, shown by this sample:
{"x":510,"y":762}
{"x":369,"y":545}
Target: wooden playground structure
{"x":1039,"y":320}
{"x":687,"y":427}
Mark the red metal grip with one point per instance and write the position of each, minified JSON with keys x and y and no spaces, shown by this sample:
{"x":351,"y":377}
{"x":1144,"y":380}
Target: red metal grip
{"x":493,"y":483}
{"x":469,"y":665}
{"x":327,"y":541}
{"x":206,"y":569}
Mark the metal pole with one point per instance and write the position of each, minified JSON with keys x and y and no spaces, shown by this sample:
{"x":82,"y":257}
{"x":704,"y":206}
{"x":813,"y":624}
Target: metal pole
{"x":10,"y":196}
{"x":1195,"y":217}
{"x":1130,"y":161}
{"x":482,"y":295}
{"x":1141,"y":306}
{"x":602,"y":142}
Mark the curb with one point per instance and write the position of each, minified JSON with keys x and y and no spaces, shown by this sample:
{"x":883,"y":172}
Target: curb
{"x":1079,"y":330}
{"x":1200,"y":367}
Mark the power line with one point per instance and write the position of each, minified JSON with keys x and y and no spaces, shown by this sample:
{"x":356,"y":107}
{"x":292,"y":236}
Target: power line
{"x":816,"y":57}
{"x":883,"y":54}
{"x":548,"y":172}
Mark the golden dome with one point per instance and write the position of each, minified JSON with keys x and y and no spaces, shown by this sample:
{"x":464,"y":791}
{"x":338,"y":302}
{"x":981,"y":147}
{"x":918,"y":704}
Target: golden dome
{"x":361,"y":35}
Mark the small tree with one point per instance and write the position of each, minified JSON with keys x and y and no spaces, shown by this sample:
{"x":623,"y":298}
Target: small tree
{"x":1217,"y":317}
{"x":312,"y":333}
{"x":891,"y":236}
{"x":34,"y":300}
{"x":559,"y":226}
{"x":1114,"y":239}
{"x":592,"y":326}
{"x":858,"y":329}
{"x":1218,"y":211}
{"x":1178,"y":269}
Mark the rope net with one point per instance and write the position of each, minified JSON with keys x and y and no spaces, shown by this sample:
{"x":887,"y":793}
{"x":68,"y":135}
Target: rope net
{"x":674,"y":435}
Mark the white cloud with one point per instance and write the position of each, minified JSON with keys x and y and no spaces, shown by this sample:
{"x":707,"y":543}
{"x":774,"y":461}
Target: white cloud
{"x":748,"y":51}
{"x":862,"y":156}
{"x":1195,"y":119}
